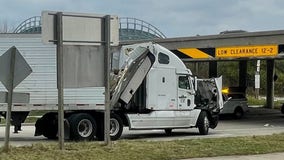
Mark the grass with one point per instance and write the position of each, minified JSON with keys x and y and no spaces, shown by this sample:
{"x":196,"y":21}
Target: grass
{"x":254,"y":101}
{"x":262,"y":102}
{"x":161,"y":150}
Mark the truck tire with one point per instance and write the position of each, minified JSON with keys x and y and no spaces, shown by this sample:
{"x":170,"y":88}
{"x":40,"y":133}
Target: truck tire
{"x":282,"y":109}
{"x":116,"y":128}
{"x":203,"y":123}
{"x":82,"y":127}
{"x":47,"y":125}
{"x":51,"y":131}
{"x":238,"y":113}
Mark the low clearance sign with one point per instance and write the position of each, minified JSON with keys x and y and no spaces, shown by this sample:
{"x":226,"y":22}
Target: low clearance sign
{"x":246,"y":51}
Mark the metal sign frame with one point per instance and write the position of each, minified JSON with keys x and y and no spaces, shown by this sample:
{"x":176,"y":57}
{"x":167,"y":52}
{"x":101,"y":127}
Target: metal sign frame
{"x":107,"y":38}
{"x":92,"y":32}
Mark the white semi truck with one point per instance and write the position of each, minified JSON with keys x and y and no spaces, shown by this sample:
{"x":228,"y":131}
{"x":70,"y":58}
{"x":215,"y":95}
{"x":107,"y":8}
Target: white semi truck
{"x":154,"y":90}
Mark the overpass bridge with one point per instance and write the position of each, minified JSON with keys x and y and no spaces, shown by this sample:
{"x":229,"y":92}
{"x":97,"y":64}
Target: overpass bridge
{"x":241,"y":47}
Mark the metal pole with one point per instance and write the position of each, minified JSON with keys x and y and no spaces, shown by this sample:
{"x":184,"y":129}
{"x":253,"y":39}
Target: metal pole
{"x":107,"y":79}
{"x":213,"y":69}
{"x":270,"y":69}
{"x":196,"y":68}
{"x":59,"y":58}
{"x":243,"y":69}
{"x":257,"y":79}
{"x":10,"y":99}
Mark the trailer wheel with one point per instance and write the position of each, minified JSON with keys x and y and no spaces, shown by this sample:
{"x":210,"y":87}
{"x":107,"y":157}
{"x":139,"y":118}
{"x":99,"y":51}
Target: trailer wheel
{"x":238,"y":113}
{"x":116,"y":128}
{"x":203,"y":123}
{"x":47,"y":126}
{"x":51,"y":133}
{"x":82,"y":127}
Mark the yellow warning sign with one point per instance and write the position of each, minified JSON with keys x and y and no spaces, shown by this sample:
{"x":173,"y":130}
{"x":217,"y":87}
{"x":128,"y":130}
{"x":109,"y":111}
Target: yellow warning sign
{"x":246,"y":51}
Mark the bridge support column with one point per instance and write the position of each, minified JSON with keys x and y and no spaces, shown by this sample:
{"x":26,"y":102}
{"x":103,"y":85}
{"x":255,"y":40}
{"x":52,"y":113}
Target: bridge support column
{"x":212,"y":69}
{"x":243,"y":73}
{"x":196,"y":70}
{"x":270,"y":72}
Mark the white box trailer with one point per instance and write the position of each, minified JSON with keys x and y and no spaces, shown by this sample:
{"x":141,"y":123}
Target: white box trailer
{"x":41,"y":83}
{"x":155,"y":91}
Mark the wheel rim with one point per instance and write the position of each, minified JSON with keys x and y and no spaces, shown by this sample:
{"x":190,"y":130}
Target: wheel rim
{"x":114,"y":127}
{"x":85,"y":128}
{"x":206,"y":122}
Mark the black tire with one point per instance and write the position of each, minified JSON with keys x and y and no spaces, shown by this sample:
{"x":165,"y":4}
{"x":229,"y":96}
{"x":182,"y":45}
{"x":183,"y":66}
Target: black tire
{"x":82,"y":127}
{"x":203,"y":123}
{"x":282,"y":109}
{"x":238,"y":113}
{"x":47,"y":125}
{"x":116,"y":128}
{"x":168,"y":131}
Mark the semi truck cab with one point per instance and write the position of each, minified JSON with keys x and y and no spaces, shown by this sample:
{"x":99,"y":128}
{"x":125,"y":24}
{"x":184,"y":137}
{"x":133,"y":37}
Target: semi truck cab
{"x":163,"y":94}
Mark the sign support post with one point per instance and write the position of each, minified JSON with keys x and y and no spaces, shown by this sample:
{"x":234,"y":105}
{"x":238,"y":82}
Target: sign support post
{"x":257,"y":79}
{"x":107,"y":79}
{"x":85,"y":31}
{"x":59,"y":59}
{"x":10,"y":99}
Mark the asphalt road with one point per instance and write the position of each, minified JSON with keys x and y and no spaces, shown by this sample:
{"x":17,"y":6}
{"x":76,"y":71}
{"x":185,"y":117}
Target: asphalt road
{"x":257,"y":122}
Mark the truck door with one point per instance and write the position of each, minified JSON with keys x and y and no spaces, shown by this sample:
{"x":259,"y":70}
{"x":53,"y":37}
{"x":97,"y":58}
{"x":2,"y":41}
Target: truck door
{"x":185,"y":93}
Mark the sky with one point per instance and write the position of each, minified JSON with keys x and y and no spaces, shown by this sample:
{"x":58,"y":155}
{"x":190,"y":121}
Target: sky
{"x":174,"y":18}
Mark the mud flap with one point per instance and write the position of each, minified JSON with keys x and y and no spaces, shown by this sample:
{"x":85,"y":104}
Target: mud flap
{"x":66,"y":129}
{"x":214,"y":119}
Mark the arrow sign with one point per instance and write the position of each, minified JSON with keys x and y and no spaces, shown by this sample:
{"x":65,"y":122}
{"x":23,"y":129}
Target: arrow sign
{"x":22,"y":68}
